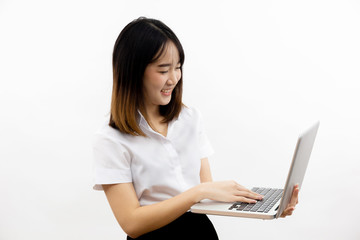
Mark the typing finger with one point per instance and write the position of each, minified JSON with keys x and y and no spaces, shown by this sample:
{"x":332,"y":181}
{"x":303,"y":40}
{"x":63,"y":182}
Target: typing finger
{"x":253,"y":195}
{"x":250,"y":195}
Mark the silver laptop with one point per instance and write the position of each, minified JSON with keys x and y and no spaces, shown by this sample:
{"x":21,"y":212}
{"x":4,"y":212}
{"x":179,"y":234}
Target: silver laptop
{"x":275,"y":200}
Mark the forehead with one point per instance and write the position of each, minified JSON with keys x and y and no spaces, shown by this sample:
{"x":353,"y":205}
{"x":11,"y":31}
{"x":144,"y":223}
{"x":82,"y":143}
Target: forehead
{"x":170,"y":54}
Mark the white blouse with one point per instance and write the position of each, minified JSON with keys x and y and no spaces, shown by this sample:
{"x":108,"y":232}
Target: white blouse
{"x":159,"y":167}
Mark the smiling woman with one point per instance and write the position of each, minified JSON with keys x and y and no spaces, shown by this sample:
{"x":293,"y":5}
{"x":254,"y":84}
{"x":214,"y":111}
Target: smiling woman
{"x":152,"y":158}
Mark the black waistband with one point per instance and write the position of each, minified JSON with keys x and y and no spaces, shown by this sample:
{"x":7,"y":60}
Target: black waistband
{"x":188,"y":226}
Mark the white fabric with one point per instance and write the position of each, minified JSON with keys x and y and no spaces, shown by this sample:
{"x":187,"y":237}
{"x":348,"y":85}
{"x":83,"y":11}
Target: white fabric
{"x":159,"y":167}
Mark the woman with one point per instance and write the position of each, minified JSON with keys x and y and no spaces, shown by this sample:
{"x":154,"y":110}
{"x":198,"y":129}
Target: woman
{"x":152,"y":158}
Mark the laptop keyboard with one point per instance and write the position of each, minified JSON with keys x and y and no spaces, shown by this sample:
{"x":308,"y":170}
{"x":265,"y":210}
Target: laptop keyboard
{"x":271,"y":196}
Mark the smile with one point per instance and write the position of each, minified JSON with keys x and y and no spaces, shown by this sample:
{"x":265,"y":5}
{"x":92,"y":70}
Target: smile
{"x":166,"y":91}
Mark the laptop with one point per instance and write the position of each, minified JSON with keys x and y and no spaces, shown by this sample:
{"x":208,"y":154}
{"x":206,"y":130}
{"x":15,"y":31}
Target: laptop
{"x":275,"y":200}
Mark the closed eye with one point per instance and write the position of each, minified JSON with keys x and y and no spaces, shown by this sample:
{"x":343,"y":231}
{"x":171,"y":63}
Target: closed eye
{"x":167,"y":65}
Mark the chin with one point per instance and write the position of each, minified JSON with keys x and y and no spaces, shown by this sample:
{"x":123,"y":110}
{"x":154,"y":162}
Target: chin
{"x":164,"y":102}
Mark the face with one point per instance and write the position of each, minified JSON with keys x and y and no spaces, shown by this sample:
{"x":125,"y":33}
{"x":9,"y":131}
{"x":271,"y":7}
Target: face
{"x":161,"y":77}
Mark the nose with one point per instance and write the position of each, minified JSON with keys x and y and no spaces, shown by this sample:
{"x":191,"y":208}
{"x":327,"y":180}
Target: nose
{"x":173,"y":78}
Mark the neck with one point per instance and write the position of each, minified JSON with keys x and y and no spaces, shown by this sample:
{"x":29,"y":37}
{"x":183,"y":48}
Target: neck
{"x":154,"y":119}
{"x":152,"y":113}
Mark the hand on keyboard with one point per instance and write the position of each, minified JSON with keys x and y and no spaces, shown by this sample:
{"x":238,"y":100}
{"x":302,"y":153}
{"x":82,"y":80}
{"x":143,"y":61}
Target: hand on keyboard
{"x":228,"y":191}
{"x":271,"y":197}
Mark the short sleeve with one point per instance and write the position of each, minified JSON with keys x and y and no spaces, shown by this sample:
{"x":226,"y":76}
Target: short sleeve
{"x":206,"y":149}
{"x":111,"y":162}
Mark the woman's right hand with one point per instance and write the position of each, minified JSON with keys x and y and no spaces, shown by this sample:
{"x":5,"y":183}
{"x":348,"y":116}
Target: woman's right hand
{"x":228,"y":191}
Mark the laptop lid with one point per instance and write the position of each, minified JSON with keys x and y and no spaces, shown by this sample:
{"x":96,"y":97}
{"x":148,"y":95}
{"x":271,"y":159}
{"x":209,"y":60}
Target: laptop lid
{"x":298,"y":165}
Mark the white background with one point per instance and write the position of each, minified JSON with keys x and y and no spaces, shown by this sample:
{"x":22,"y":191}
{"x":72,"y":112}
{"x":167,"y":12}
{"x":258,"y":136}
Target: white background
{"x":259,"y":71}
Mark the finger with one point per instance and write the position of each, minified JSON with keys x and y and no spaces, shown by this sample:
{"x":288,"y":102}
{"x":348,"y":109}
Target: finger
{"x":285,"y":214}
{"x":242,"y":188}
{"x":295,"y":196}
{"x":244,"y":199}
{"x":251,"y":195}
{"x":259,"y":196}
{"x":288,"y":212}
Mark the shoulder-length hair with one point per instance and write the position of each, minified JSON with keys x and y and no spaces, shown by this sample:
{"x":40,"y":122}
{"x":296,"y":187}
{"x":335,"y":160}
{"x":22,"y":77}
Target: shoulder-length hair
{"x":141,"y":42}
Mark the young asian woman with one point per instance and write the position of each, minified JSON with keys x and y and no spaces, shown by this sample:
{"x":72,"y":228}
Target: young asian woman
{"x":151,"y":158}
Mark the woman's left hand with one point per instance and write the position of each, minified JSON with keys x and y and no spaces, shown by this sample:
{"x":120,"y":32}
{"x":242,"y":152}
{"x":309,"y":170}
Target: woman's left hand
{"x":293,"y":201}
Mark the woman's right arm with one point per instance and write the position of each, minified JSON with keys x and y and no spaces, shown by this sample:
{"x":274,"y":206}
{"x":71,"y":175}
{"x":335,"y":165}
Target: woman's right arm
{"x":137,"y":220}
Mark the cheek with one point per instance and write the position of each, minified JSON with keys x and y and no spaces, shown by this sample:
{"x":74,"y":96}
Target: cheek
{"x":159,"y":81}
{"x":178,"y":76}
{"x":154,"y":82}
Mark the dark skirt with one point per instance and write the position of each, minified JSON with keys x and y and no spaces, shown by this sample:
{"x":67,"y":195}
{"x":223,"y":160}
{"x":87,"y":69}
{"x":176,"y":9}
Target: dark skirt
{"x":188,"y":226}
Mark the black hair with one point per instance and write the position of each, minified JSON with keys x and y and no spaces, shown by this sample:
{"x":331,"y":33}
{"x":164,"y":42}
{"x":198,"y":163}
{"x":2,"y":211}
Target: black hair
{"x":140,"y":43}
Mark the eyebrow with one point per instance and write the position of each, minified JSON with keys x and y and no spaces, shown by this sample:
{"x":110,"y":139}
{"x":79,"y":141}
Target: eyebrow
{"x":166,"y":64}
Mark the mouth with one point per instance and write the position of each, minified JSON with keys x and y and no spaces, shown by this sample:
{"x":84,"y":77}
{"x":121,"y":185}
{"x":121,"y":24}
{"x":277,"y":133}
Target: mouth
{"x":166,"y":92}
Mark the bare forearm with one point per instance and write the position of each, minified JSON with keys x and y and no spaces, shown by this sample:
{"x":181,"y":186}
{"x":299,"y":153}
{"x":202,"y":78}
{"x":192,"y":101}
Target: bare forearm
{"x":136,"y":220}
{"x":205,"y":173}
{"x":148,"y":218}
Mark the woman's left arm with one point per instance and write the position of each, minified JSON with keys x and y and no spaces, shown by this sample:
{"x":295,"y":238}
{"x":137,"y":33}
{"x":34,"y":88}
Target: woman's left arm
{"x":205,"y":172}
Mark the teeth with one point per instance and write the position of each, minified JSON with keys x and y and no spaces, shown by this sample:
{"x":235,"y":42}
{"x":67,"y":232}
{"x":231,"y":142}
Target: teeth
{"x":166,"y":91}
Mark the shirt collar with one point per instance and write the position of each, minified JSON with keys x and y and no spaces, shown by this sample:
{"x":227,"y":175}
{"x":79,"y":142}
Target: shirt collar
{"x":143,"y":123}
{"x":141,"y":120}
